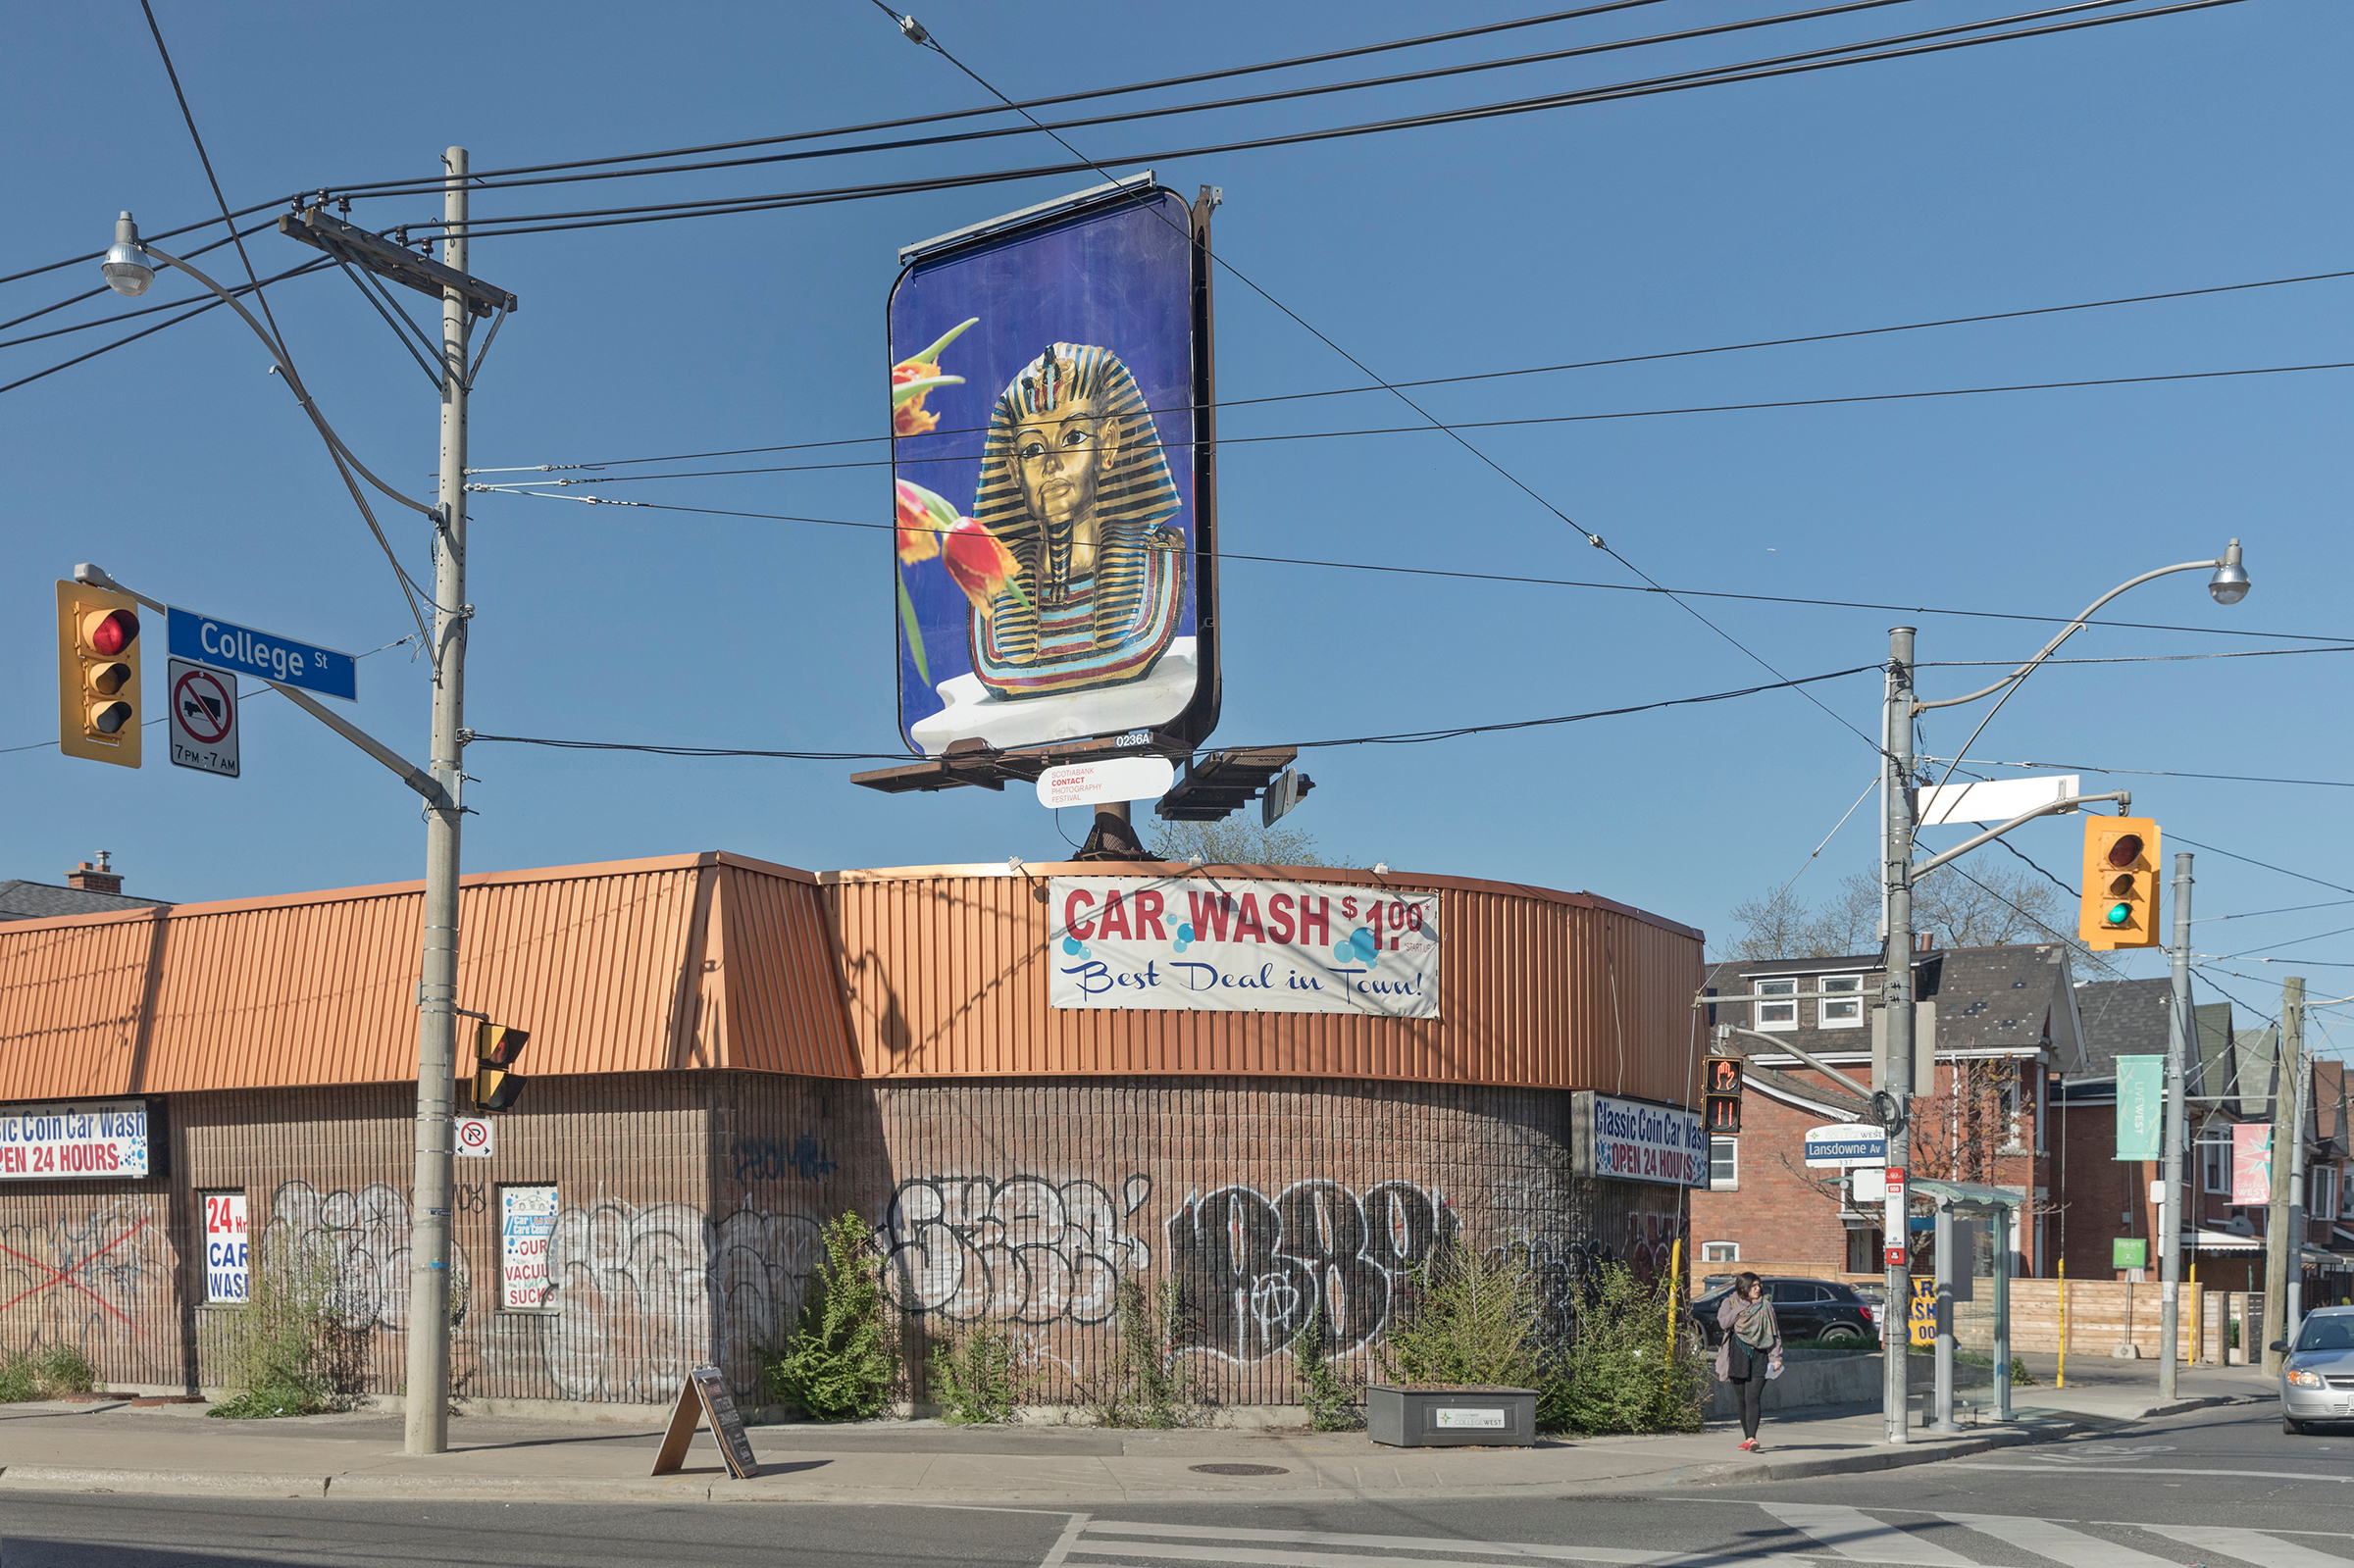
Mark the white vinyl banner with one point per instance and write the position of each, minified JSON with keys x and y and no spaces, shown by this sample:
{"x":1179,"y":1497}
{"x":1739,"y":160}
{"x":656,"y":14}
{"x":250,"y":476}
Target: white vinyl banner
{"x":1206,"y":944}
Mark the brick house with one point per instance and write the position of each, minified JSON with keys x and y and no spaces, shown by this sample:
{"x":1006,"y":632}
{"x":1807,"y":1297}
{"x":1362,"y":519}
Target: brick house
{"x":2003,"y":1026}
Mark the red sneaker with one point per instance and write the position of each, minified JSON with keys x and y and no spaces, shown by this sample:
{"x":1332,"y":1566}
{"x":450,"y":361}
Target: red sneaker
{"x":1750,"y":1443}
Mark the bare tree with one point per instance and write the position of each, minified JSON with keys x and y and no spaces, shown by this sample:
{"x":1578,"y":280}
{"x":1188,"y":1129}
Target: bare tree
{"x":1236,"y":841}
{"x":1982,"y":907}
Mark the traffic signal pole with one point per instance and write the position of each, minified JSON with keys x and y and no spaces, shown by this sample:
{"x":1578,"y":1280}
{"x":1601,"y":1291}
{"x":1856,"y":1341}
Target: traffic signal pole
{"x":427,"y":1412}
{"x":1896,"y":999}
{"x":2178,"y":1043}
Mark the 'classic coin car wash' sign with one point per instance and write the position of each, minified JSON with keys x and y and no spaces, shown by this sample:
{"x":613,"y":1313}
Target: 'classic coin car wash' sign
{"x":78,"y":1142}
{"x":1200,"y":944}
{"x":1636,"y":1141}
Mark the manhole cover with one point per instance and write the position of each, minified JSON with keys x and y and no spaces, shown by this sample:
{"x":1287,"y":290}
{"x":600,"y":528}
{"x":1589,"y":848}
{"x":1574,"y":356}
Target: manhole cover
{"x":1239,"y":1470}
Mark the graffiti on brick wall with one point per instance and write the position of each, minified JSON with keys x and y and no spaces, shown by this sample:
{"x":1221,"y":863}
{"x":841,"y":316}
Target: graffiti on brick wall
{"x":82,"y":1281}
{"x":1024,"y":1248}
{"x":1651,"y":1240}
{"x":1254,"y":1269}
{"x":770,"y":1159}
{"x":359,"y":1244}
{"x":636,"y":1297}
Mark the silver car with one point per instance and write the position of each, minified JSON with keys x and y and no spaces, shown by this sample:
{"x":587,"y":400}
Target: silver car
{"x":2317,"y":1381}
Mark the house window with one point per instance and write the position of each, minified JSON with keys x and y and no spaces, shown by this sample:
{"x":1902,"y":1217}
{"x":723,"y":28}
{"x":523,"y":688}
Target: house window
{"x":1835,"y":1010}
{"x":1863,"y":1252}
{"x":2321,"y":1192}
{"x":1720,"y":1252}
{"x":527,"y":1223}
{"x":1724,"y":1164}
{"x":1776,"y":1016}
{"x":225,"y":1270}
{"x":2214,"y":1161}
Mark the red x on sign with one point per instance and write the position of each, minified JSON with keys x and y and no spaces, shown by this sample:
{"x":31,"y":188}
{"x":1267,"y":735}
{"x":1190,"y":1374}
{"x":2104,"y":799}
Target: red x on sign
{"x":65,"y":1275}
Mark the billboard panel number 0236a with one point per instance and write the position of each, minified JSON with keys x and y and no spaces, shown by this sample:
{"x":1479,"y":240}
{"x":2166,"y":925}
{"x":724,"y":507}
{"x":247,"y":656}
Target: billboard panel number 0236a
{"x":1045,"y":385}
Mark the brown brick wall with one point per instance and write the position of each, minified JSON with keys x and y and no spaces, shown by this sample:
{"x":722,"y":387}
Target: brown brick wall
{"x":690,"y":1205}
{"x":1778,"y":1214}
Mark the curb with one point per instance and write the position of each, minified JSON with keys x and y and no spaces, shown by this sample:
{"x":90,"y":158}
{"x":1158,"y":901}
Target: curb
{"x":719,"y":1488}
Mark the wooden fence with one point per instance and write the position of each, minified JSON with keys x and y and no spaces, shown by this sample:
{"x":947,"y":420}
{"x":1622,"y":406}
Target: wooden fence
{"x":2102,"y":1314}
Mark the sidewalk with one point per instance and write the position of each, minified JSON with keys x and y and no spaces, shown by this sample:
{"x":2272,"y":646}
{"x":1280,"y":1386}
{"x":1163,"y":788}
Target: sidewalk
{"x":176,"y":1450}
{"x":2127,"y":1390}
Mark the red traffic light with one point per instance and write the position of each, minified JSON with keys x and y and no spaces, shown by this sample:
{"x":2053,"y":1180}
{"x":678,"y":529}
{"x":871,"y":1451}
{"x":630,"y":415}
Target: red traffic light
{"x":2126,"y":850}
{"x":110,"y":632}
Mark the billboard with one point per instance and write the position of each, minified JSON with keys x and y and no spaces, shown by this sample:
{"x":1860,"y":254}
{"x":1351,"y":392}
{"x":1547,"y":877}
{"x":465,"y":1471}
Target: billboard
{"x":1196,"y":944}
{"x":1635,"y":1140}
{"x":1045,"y":383}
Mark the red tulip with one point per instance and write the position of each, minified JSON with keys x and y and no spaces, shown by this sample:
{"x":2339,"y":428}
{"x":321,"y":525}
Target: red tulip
{"x":980,"y":564}
{"x":914,"y":377}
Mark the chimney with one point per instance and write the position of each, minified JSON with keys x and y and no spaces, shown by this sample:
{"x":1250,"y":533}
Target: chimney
{"x":1924,"y":941}
{"x":98,"y":879}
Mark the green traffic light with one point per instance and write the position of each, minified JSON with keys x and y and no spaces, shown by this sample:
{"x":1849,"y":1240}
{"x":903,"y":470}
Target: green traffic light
{"x":2119,"y":914}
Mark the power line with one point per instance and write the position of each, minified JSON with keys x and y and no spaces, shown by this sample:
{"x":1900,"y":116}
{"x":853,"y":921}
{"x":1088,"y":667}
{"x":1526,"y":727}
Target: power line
{"x":2291,"y":909}
{"x":2283,"y":870}
{"x":1204,"y":105}
{"x":1482,"y":376}
{"x":1405,"y":738}
{"x":2161,"y":773}
{"x":1224,"y":555}
{"x":1449,"y":426}
{"x":189,"y":313}
{"x":1753,"y":71}
{"x":1032,"y":102}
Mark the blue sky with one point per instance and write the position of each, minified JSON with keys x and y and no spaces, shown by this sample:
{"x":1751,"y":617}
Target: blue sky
{"x":2177,"y":153}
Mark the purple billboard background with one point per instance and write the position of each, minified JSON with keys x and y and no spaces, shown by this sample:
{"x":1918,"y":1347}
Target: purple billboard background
{"x":1119,"y":278}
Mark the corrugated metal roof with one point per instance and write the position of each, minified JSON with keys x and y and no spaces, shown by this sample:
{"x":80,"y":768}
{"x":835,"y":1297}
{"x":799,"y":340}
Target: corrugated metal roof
{"x":718,"y":960}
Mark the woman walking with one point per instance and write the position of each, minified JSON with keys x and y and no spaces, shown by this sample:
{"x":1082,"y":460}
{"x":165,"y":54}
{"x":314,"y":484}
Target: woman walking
{"x":1748,"y":1350}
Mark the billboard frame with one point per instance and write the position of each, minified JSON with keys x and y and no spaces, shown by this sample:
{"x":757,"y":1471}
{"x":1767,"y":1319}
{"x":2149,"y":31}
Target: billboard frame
{"x":971,"y":762}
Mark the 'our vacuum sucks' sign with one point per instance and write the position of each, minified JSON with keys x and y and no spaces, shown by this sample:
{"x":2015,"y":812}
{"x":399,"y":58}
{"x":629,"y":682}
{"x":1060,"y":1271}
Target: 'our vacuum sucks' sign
{"x":1200,"y":944}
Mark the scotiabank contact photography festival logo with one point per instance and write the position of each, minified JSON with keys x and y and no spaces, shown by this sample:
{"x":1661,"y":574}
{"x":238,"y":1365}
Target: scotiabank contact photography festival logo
{"x":1199,"y":943}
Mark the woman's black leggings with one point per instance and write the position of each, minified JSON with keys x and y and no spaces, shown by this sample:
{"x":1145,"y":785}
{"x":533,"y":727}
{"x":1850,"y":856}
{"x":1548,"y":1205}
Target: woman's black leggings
{"x":1750,"y":1392}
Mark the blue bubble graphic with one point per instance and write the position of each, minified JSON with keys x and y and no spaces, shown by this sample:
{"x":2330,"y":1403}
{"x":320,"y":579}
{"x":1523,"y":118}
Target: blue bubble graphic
{"x":1184,"y":934}
{"x":1074,"y":946}
{"x":1365,"y":944}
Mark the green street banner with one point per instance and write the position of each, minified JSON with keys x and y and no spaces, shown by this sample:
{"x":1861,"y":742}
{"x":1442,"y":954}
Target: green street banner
{"x":2140,"y":1101}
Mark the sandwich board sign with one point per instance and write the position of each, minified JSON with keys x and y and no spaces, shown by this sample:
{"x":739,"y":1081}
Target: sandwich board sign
{"x":705,"y":1398}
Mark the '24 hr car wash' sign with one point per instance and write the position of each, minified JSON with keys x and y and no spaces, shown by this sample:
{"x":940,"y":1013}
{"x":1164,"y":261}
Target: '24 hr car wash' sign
{"x":47,"y":1141}
{"x":1203,"y":944}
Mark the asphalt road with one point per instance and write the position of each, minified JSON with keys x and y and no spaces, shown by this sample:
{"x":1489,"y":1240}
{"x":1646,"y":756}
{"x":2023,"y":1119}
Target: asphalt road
{"x":2224,"y":1489}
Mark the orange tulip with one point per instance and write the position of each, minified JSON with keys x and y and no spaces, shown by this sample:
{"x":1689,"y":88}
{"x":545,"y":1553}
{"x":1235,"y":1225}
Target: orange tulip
{"x":915,"y":375}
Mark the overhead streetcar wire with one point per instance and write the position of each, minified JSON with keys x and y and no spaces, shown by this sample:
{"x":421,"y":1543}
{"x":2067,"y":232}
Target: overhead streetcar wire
{"x":1504,"y":576}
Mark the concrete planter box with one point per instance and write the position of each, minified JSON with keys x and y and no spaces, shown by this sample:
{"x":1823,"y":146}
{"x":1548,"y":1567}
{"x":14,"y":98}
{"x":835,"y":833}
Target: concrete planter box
{"x":1441,"y":1416}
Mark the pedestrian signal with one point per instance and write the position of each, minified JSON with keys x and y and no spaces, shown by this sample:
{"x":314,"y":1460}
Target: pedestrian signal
{"x":98,"y":686}
{"x":2120,"y":893}
{"x":497,"y":1086}
{"x":1721,"y":1082}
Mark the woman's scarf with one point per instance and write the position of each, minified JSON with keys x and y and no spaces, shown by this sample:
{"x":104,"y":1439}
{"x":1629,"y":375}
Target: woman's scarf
{"x":1754,"y":1326}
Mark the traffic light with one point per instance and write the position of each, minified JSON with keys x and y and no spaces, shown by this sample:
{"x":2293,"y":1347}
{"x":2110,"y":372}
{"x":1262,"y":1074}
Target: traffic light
{"x":497,"y":1088}
{"x":2120,"y":896}
{"x":98,"y":706}
{"x":1721,"y":1082}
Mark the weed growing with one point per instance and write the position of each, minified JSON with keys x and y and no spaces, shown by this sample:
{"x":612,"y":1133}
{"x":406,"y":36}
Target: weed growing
{"x":1145,"y":1385}
{"x":974,"y":1377}
{"x":50,"y":1372}
{"x":1332,"y":1401}
{"x":841,"y":1361}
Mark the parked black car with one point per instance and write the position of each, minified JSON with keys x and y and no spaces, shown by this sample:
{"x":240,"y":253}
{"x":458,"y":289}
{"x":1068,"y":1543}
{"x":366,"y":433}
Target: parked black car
{"x":1807,"y":1309}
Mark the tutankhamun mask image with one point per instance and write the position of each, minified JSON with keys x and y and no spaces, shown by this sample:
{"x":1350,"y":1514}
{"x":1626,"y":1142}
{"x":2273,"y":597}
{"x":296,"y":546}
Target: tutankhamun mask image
{"x":1075,"y":482}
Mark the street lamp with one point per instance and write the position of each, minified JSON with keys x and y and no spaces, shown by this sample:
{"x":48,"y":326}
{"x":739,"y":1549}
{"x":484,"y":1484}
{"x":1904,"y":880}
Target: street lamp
{"x":2229,"y":584}
{"x":127,"y":271}
{"x":130,"y":267}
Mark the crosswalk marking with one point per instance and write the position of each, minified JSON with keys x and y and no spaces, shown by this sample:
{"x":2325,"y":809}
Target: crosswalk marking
{"x":2249,"y":1546}
{"x":1837,"y":1537}
{"x":1178,"y":1543}
{"x":1852,"y":1532}
{"x":2058,"y":1542}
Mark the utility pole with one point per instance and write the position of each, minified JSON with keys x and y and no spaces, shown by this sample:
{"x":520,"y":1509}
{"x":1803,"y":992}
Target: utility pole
{"x":1896,"y":999}
{"x":2283,"y":1258}
{"x":428,"y":1393}
{"x":2293,"y":1304}
{"x":2178,"y":1038}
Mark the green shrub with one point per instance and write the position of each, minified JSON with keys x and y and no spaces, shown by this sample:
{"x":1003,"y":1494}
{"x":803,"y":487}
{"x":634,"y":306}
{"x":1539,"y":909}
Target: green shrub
{"x":1145,"y":1385}
{"x":974,"y":1377}
{"x":50,"y":1372}
{"x":1330,"y":1399}
{"x":1468,"y":1318}
{"x":841,"y":1361}
{"x":1632,"y":1363}
{"x":285,"y":1353}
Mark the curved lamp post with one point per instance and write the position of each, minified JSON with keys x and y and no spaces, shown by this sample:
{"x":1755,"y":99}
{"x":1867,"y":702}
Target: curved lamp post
{"x":2228,"y":585}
